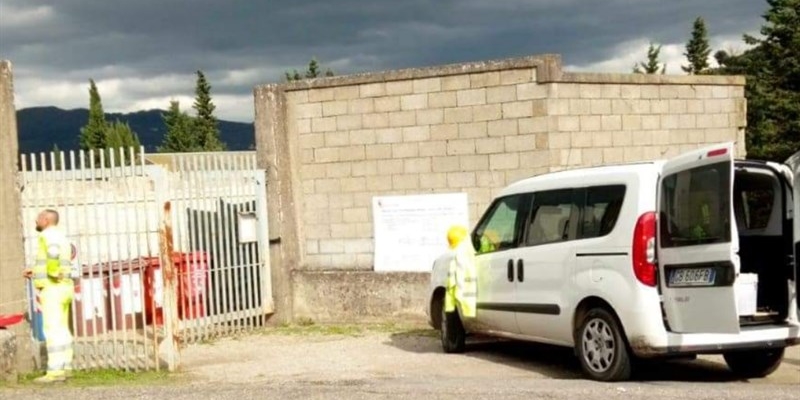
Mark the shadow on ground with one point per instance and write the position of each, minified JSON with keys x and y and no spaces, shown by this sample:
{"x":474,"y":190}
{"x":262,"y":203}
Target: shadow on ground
{"x":560,"y":362}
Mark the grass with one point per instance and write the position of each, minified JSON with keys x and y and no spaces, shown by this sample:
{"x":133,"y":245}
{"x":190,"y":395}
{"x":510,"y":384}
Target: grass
{"x":306,"y":327}
{"x":103,"y":377}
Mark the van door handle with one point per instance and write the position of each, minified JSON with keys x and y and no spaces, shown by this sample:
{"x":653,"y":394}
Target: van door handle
{"x":511,"y":270}
{"x":520,"y":270}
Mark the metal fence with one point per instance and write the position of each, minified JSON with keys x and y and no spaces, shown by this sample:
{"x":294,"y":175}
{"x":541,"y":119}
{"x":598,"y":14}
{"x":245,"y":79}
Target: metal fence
{"x":169,"y":254}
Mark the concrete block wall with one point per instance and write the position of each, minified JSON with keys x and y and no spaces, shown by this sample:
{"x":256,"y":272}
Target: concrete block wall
{"x":332,"y":144}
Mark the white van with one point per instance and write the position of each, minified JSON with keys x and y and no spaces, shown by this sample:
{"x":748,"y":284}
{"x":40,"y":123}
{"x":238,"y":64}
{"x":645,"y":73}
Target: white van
{"x":689,"y":256}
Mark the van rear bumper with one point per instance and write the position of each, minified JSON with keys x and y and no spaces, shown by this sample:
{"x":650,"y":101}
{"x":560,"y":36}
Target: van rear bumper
{"x":751,"y":338}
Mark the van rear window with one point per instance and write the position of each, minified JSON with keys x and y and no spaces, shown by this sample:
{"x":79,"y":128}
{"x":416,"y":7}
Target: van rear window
{"x":695,"y":206}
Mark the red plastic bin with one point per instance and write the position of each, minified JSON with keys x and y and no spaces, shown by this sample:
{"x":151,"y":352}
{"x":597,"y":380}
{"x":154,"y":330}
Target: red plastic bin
{"x":192,"y":285}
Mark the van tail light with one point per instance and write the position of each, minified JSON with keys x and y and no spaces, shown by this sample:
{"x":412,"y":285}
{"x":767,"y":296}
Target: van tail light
{"x":644,"y":249}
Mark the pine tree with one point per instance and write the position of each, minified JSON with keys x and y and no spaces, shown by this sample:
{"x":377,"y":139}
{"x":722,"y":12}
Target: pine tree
{"x":56,"y":156}
{"x":652,"y":65}
{"x":93,"y":133}
{"x":118,"y":136}
{"x":205,"y":125}
{"x":179,"y":137}
{"x":697,"y":49}
{"x":312,"y":71}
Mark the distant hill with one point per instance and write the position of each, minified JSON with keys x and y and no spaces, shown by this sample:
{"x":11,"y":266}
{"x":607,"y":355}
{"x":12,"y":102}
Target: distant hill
{"x":41,"y":127}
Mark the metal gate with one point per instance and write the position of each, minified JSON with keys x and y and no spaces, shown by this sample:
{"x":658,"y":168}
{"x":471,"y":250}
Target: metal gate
{"x":172,"y":249}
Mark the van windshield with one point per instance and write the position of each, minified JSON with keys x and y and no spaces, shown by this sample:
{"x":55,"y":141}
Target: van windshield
{"x":695,"y":206}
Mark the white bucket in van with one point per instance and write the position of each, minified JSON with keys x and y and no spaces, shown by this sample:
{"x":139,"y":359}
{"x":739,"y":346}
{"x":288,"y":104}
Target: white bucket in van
{"x":746,"y":293}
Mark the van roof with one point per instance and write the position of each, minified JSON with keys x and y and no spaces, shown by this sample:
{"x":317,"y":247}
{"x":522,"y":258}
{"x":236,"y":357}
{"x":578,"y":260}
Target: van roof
{"x":582,"y":174}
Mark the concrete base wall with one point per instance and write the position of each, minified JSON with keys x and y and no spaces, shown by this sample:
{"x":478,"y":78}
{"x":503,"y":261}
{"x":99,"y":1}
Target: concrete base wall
{"x":8,"y":355}
{"x":359,"y":296}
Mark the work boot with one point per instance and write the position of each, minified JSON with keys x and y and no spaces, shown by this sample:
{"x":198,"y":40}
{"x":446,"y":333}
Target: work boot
{"x":50,"y":379}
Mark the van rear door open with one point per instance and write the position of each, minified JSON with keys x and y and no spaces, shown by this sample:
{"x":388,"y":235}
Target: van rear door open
{"x":794,"y":164}
{"x":697,"y":241}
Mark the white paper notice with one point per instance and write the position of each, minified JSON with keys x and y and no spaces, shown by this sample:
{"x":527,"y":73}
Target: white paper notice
{"x":411,"y":231}
{"x":131,"y":293}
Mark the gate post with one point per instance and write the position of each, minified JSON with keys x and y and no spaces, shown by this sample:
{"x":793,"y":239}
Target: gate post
{"x":170,"y":345}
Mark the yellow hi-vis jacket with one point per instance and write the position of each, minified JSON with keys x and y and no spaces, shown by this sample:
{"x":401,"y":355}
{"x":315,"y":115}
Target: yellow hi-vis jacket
{"x":462,"y":283}
{"x":53,"y":258}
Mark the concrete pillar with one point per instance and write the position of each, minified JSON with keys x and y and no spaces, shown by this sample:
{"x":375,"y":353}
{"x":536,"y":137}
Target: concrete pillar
{"x":275,"y":156}
{"x":12,"y":256}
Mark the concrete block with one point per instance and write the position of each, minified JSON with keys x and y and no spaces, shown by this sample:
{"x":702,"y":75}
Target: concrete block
{"x":518,"y":109}
{"x":414,"y":102}
{"x":338,"y":170}
{"x":515,"y":76}
{"x":387,"y":104}
{"x":613,"y":155}
{"x":379,"y":183}
{"x":560,"y":140}
{"x":327,"y":124}
{"x":661,"y":138}
{"x":490,"y":145}
{"x":641,"y":138}
{"x":668,"y":92}
{"x":659,"y":106}
{"x":565,"y":90}
{"x":474,"y":163}
{"x":360,"y":214}
{"x":651,"y":122}
{"x":600,"y":106}
{"x":499,"y":162}
{"x":460,"y":146}
{"x":569,"y":123}
{"x":686,"y":92}
{"x":590,"y":91}
{"x":611,"y":122}
{"x":622,"y":138}
{"x":307,"y":156}
{"x":402,"y":118}
{"x":444,"y":131}
{"x":312,"y":246}
{"x":405,"y":150}
{"x":346,"y":92}
{"x":312,"y":140}
{"x":503,"y":127}
{"x":325,"y":155}
{"x":631,"y":122}
{"x":487,"y":112}
{"x":490,"y":179}
{"x":372,"y":89}
{"x":592,"y":157}
{"x":349,"y":122}
{"x":433,"y":180}
{"x":355,"y":184}
{"x":579,"y":106}
{"x":455,"y":82}
{"x":333,"y":108}
{"x":427,"y":85}
{"x":687,"y":121}
{"x":331,"y":246}
{"x":416,"y":133}
{"x":361,"y":106}
{"x":365,"y":168}
{"x":341,"y":200}
{"x":318,"y":201}
{"x":442,"y":99}
{"x":309,"y":110}
{"x":457,"y":115}
{"x":633,"y":154}
{"x":631,"y":91}
{"x":420,"y":165}
{"x":557,"y":107}
{"x":678,"y":106}
{"x":312,"y":171}
{"x":445,"y":164}
{"x":720,"y":92}
{"x":670,"y":121}
{"x":611,"y":91}
{"x":471,"y":97}
{"x":320,"y":95}
{"x":353,"y":153}
{"x":433,"y":148}
{"x":519,"y":143}
{"x":456,"y":180}
{"x":484,"y":79}
{"x":650,"y":92}
{"x":581,"y":139}
{"x":375,"y":120}
{"x":533,"y":125}
{"x":590,"y":123}
{"x":378,"y":151}
{"x":405,"y":182}
{"x":303,"y":126}
{"x":472,"y":130}
{"x":327,"y":185}
{"x":534,"y":159}
{"x":363,"y":136}
{"x":602,"y":139}
{"x":399,"y":87}
{"x":531,"y":91}
{"x":430,"y":117}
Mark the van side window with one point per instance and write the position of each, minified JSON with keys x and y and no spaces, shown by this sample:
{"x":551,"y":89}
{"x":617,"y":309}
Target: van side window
{"x":601,"y":210}
{"x":500,"y":228}
{"x":696,"y":206}
{"x":551,"y":213}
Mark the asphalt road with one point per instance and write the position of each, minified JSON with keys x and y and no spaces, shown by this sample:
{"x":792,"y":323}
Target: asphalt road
{"x":410,"y":366}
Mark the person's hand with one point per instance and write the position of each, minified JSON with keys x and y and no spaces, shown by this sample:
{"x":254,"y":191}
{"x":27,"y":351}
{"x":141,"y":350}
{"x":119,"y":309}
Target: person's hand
{"x":27,"y":273}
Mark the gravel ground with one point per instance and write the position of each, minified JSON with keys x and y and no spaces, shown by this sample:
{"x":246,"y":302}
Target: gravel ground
{"x":404,"y":365}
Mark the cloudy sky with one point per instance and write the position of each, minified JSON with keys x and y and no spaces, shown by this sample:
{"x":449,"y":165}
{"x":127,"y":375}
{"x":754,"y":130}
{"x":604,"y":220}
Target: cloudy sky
{"x":142,"y":53}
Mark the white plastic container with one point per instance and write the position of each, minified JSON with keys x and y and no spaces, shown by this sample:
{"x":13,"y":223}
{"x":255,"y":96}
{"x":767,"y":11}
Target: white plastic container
{"x":746,"y":289}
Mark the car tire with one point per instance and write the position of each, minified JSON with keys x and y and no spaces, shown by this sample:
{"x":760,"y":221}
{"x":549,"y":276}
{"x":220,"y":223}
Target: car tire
{"x":453,"y":335}
{"x":601,"y":347}
{"x":754,"y":363}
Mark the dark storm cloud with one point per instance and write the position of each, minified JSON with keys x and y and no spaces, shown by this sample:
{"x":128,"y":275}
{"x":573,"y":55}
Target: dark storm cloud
{"x":74,"y":40}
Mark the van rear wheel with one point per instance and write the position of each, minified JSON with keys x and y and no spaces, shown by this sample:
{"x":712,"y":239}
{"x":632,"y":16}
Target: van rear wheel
{"x":754,"y":363}
{"x":601,"y":347}
{"x":453,"y":335}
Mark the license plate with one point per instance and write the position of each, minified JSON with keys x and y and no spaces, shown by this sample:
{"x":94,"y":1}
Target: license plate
{"x":692,"y":277}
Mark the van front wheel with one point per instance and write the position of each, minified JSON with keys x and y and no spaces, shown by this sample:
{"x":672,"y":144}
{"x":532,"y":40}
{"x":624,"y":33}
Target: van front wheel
{"x":601,"y":347}
{"x":754,"y":363}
